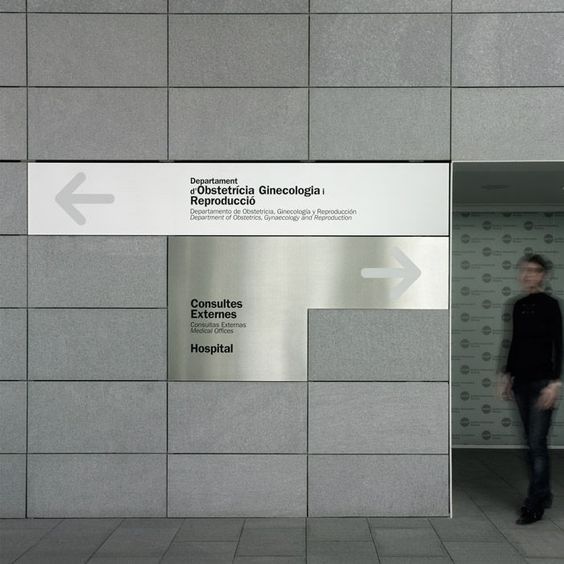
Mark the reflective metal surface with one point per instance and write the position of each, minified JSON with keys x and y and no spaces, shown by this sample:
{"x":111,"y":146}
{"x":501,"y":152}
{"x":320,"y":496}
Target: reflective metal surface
{"x":260,"y":289}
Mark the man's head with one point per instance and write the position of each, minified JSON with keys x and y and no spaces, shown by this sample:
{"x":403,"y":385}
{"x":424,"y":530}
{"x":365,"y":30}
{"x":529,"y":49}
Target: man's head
{"x":533,"y":269}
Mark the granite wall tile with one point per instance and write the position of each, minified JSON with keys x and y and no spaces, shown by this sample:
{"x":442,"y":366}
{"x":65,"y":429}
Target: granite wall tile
{"x":237,"y":417}
{"x":97,"y":417}
{"x":97,"y":50}
{"x":232,"y":58}
{"x":92,"y":485}
{"x":72,"y":271}
{"x":381,"y":486}
{"x":237,"y":485}
{"x":12,"y":50}
{"x":97,"y":123}
{"x":87,"y":344}
{"x":380,"y":50}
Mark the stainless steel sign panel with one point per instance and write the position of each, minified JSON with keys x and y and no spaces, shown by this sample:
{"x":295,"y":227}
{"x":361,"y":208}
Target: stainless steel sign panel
{"x":238,"y":305}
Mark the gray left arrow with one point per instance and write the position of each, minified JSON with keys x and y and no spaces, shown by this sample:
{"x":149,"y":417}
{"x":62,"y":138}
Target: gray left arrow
{"x":67,"y":198}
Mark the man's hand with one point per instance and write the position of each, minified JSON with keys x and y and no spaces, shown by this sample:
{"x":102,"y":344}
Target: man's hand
{"x":504,"y":387}
{"x":549,"y":395}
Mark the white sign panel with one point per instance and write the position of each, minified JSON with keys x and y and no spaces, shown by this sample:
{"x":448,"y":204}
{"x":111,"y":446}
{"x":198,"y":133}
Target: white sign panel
{"x":238,"y":199}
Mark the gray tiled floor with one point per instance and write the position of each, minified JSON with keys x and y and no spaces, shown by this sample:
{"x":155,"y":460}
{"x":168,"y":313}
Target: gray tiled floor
{"x":488,"y":486}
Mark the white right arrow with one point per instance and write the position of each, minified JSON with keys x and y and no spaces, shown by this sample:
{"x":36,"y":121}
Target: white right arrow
{"x":409,"y":272}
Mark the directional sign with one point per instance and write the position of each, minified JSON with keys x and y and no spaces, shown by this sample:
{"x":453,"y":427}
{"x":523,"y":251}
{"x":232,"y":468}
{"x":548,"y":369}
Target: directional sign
{"x":238,"y":306}
{"x":238,"y":199}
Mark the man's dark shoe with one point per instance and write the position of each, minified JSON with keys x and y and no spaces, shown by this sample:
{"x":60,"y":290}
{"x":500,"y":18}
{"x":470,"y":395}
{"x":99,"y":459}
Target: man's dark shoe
{"x":546,"y":503}
{"x":527,"y":517}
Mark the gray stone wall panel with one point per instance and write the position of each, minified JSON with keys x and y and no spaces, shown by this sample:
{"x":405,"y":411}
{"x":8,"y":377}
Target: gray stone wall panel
{"x":13,"y":271}
{"x":13,"y":344}
{"x":12,"y":50}
{"x":381,"y":486}
{"x":238,"y":6}
{"x":507,"y":124}
{"x":86,"y":344}
{"x":97,"y":123}
{"x":508,"y":5}
{"x":362,"y":344}
{"x":380,"y":6}
{"x":91,"y":485}
{"x":97,"y":417}
{"x":12,"y":5}
{"x":378,"y":418}
{"x":380,"y":124}
{"x":258,"y":50}
{"x":380,"y":50}
{"x":242,"y":417}
{"x":117,"y":6}
{"x":13,"y":144}
{"x":97,"y":271}
{"x":238,"y":124}
{"x":508,"y":50}
{"x":97,"y":50}
{"x":237,"y":485}
{"x":12,"y":417}
{"x":12,"y":487}
{"x":13,"y":199}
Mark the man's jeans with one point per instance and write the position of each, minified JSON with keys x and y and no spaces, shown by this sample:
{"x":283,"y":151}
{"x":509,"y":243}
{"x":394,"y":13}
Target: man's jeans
{"x":536,"y":424}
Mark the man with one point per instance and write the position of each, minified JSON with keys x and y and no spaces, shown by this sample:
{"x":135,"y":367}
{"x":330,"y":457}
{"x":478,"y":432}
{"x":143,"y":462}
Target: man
{"x":533,"y":377}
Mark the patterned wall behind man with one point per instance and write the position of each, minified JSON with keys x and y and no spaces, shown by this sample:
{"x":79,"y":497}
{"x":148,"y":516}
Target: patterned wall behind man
{"x":486,"y":248}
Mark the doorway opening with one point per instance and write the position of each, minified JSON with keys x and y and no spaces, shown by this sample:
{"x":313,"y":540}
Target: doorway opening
{"x":501,"y":212}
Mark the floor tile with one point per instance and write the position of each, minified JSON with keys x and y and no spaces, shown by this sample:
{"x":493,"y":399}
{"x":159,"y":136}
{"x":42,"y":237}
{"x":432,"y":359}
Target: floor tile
{"x":545,"y":560}
{"x":558,"y":522}
{"x":415,"y":560}
{"x":200,"y":552}
{"x":338,"y":529}
{"x":557,"y":509}
{"x":124,"y":560}
{"x":399,"y":523}
{"x":275,"y":523}
{"x":76,"y":546}
{"x":463,"y":506}
{"x":145,"y":542}
{"x":48,"y":558}
{"x":407,"y":542}
{"x":19,"y":539}
{"x":483,"y":552}
{"x":28,"y":524}
{"x":489,"y":496}
{"x":151,"y":523}
{"x":270,"y":560}
{"x":15,"y":543}
{"x":466,"y":529}
{"x":210,"y":530}
{"x":505,"y":519}
{"x":341,"y":552}
{"x":557,"y":484}
{"x":272,"y":542}
{"x":537,"y":543}
{"x":88,"y":530}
